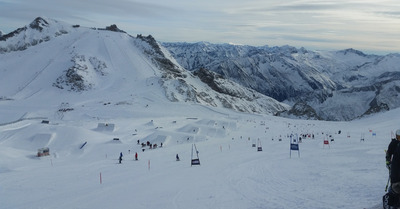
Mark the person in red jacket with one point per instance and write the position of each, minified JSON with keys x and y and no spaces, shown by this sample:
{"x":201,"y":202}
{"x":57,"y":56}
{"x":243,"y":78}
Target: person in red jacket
{"x":136,"y":157}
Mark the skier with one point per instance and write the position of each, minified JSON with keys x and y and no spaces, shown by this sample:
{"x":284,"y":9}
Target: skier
{"x":136,"y":156}
{"x":391,"y":149}
{"x":120,"y":157}
{"x":177,"y":157}
{"x":393,"y":164}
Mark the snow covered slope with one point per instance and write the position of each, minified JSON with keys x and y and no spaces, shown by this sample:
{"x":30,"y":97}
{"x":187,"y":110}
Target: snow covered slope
{"x":347,"y":173}
{"x":338,"y":85}
{"x":89,"y":95}
{"x":49,"y":58}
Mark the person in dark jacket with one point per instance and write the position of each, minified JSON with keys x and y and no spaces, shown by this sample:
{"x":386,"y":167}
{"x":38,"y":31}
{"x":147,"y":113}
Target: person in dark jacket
{"x":394,"y":163}
{"x":391,"y":149}
{"x":120,"y":158}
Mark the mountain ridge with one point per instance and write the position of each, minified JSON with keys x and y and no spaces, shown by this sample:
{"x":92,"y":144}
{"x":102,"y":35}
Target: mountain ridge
{"x":88,"y":61}
{"x":329,"y":85}
{"x":327,"y":81}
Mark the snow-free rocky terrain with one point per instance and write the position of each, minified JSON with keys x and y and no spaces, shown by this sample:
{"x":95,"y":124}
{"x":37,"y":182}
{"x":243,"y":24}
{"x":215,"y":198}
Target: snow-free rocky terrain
{"x":90,"y":94}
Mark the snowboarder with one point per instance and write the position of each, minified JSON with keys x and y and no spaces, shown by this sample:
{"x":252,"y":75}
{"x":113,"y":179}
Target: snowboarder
{"x":136,"y":156}
{"x":393,"y":164}
{"x":120,"y":157}
{"x":177,"y":157}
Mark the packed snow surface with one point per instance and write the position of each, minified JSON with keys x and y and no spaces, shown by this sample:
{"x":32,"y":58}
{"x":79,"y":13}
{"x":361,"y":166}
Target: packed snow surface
{"x":346,"y":173}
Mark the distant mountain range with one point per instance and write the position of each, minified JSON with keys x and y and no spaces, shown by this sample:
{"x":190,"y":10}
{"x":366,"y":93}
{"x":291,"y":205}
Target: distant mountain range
{"x":49,"y":58}
{"x":335,"y":85}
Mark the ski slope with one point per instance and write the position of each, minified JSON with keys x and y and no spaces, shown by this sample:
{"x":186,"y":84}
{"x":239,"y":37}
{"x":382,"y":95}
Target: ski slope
{"x":348,"y":173}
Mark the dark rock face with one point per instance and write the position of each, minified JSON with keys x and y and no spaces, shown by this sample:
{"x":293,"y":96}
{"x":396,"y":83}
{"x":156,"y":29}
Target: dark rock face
{"x":38,"y":24}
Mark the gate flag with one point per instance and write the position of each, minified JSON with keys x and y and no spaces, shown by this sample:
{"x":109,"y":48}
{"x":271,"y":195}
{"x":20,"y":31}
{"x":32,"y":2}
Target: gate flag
{"x":294,"y":146}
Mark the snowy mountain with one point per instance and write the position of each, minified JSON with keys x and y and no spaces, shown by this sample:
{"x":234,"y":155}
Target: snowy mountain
{"x":338,"y":85}
{"x":90,"y":94}
{"x":38,"y":31}
{"x":56,"y":57}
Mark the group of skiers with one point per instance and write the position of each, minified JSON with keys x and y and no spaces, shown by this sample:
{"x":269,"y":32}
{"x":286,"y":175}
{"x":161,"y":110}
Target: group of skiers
{"x":121,"y":155}
{"x":136,"y":157}
{"x":391,"y":199}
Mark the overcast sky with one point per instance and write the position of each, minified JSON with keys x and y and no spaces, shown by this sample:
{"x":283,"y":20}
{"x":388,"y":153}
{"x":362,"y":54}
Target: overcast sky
{"x":372,"y":26}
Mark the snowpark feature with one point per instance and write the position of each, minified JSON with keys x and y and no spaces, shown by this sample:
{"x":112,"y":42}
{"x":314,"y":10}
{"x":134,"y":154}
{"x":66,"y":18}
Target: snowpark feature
{"x":351,"y":174}
{"x":130,"y":95}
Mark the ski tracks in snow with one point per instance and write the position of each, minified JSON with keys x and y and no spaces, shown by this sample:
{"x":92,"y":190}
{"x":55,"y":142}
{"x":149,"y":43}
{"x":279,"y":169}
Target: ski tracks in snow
{"x":51,"y":61}
{"x":262,"y":185}
{"x":253,"y":190}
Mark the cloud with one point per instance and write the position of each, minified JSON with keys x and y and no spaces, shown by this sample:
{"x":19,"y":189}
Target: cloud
{"x":307,"y":23}
{"x":91,"y":11}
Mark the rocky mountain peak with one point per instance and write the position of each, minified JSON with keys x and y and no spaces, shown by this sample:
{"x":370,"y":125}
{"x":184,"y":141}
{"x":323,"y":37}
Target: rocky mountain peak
{"x":39,"y":23}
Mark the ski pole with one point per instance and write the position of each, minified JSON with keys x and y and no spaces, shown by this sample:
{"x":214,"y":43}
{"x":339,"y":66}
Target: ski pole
{"x":387,"y":184}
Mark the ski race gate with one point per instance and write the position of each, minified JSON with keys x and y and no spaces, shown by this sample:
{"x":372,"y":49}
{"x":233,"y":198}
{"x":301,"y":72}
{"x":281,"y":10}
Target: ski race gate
{"x":196,"y":160}
{"x":294,"y":145}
